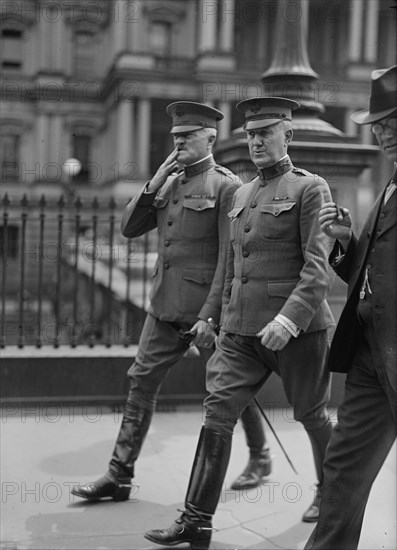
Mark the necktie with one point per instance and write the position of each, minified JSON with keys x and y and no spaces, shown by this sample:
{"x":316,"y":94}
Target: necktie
{"x":390,"y":188}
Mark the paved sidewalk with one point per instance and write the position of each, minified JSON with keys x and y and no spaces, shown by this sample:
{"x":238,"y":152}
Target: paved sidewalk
{"x":46,"y":449}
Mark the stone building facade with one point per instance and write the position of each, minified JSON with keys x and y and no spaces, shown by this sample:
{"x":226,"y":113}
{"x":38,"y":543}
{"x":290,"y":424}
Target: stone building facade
{"x":90,"y":79}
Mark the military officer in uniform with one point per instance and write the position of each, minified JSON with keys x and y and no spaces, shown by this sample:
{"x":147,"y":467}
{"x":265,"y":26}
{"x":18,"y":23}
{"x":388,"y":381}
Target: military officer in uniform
{"x":275,"y":315}
{"x":365,"y":341}
{"x":189,"y":210}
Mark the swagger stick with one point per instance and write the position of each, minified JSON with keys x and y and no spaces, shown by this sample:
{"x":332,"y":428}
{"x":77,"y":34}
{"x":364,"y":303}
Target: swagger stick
{"x":274,"y":433}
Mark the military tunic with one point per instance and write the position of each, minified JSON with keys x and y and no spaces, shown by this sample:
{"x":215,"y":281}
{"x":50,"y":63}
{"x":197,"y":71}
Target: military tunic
{"x":190,"y":213}
{"x":279,"y":257}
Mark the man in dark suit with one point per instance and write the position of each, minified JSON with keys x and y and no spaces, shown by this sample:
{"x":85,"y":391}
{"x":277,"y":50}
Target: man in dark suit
{"x":365,"y":340}
{"x":275,"y":316}
{"x":189,"y":208}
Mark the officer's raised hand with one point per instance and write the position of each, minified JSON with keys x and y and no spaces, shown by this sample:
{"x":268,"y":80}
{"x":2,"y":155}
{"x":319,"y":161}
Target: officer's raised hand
{"x":274,"y":336}
{"x":160,"y":177}
{"x":336,"y":222}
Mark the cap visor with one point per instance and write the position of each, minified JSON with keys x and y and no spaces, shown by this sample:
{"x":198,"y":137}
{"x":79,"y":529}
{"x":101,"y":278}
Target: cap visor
{"x":182,"y":129}
{"x":256,"y":124}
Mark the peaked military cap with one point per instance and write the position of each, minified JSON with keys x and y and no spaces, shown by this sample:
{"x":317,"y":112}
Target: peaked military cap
{"x":188,"y":116}
{"x":261,"y":112}
{"x":383,"y":100}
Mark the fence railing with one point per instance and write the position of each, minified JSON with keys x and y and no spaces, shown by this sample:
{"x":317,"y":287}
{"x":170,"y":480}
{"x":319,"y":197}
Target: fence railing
{"x":69,"y":276}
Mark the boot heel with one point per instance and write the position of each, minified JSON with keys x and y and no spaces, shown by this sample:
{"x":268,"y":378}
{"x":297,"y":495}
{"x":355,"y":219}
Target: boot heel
{"x":203,"y":540}
{"x":122,"y":492}
{"x":200,"y":545}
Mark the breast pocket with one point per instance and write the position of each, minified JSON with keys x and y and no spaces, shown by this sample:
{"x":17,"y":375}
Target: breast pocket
{"x":235,"y":218}
{"x":279,"y":220}
{"x":199,"y":217}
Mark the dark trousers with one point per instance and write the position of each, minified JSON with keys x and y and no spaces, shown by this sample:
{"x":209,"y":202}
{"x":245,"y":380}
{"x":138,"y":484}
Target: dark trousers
{"x":160,"y":348}
{"x":359,"y":445}
{"x":241,"y":365}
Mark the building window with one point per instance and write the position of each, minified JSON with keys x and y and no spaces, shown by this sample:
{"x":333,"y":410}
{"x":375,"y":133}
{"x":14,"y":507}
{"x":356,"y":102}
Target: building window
{"x":11,"y":49}
{"x":84,"y":54}
{"x":9,"y":241}
{"x":160,"y":38}
{"x":10,"y":153}
{"x":82,"y":145}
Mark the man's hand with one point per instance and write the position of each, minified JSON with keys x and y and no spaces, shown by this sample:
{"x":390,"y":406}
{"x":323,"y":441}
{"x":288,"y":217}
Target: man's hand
{"x":205,"y":335}
{"x":274,"y":336}
{"x":336,"y":222}
{"x":169,"y":165}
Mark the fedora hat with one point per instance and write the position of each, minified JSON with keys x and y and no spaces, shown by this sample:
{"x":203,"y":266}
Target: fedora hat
{"x":383,"y":100}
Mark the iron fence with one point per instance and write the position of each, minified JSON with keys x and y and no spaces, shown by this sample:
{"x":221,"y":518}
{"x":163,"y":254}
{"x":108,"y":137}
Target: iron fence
{"x":69,"y":276}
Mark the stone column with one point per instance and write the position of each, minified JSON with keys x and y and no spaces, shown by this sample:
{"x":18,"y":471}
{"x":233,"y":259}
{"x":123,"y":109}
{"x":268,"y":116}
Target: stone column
{"x":57,"y":151}
{"x":43,"y":44}
{"x":124,"y":136}
{"x":371,"y":31}
{"x":42,"y":138}
{"x":66,"y":53}
{"x":224,"y":126}
{"x":226,"y":30}
{"x":207,"y":18}
{"x":366,"y":134}
{"x":119,"y":30}
{"x":143,"y":137}
{"x":355,"y":31}
{"x":350,"y":128}
{"x":136,"y":28}
{"x":58,"y":44}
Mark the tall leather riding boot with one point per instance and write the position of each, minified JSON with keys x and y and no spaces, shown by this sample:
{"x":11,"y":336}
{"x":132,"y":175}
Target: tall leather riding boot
{"x":319,"y":439}
{"x":208,"y":473}
{"x":116,"y":483}
{"x":133,"y":431}
{"x":259,"y":463}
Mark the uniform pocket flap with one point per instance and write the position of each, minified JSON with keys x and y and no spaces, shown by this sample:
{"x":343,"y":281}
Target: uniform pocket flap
{"x":199,"y":204}
{"x":282,"y":288}
{"x":199,"y":276}
{"x":277,"y":208}
{"x":160,"y":202}
{"x":235,"y":212}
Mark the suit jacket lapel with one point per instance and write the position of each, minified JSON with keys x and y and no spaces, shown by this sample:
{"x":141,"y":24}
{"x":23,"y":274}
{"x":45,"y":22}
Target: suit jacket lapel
{"x":391,"y":218}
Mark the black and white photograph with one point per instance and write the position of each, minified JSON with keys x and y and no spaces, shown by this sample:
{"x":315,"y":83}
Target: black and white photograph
{"x":198,"y":274}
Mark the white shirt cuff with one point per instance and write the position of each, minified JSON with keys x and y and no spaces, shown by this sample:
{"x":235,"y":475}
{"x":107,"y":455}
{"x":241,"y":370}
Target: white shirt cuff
{"x":288,"y":324}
